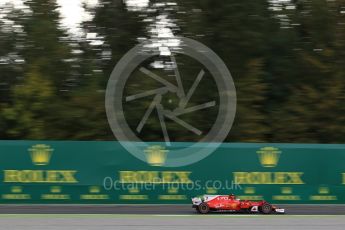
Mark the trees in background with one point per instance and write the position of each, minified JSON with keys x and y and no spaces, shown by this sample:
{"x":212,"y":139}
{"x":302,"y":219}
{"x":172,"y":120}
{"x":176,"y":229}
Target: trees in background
{"x":44,"y":71}
{"x":310,"y":110}
{"x":287,"y":65}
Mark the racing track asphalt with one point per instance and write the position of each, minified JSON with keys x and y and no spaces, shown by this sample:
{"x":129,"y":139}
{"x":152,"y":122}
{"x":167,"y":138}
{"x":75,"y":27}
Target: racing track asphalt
{"x":165,"y":222}
{"x":153,"y":209}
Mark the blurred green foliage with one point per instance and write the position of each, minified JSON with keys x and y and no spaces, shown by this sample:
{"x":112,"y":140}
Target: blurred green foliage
{"x":287,"y":64}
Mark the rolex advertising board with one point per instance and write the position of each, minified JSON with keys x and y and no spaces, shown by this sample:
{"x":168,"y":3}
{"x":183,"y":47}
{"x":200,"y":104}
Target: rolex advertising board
{"x":105,"y":172}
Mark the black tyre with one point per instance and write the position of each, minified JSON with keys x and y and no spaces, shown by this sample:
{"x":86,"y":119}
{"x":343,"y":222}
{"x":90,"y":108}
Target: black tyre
{"x":266,"y":208}
{"x":203,"y":208}
{"x":246,"y":211}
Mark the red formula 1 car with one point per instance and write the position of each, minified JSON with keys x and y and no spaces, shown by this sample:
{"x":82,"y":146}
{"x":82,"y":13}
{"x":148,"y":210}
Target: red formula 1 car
{"x":209,"y":203}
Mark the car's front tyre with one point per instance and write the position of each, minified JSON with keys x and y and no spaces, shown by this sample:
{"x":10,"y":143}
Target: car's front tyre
{"x":203,"y":208}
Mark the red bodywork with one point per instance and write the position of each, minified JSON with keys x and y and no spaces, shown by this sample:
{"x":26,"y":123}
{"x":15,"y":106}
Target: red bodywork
{"x":227,"y":203}
{"x":211,"y":203}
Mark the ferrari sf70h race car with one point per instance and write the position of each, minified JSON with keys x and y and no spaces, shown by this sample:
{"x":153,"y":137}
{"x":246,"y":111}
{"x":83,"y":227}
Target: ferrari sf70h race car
{"x":209,"y":203}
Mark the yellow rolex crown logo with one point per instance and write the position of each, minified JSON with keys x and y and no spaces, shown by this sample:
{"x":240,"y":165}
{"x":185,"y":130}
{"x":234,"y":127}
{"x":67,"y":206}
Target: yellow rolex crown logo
{"x":40,"y":154}
{"x":94,"y":189}
{"x":286,"y":190}
{"x":323,"y":190}
{"x":249,"y":190}
{"x":269,"y":156}
{"x":55,"y":189}
{"x":156,"y":155}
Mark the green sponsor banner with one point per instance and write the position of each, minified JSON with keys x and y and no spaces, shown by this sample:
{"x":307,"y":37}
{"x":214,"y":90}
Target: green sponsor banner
{"x":104,"y":172}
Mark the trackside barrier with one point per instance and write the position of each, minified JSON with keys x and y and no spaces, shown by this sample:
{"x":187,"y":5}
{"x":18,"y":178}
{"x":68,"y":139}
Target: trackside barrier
{"x":104,"y":172}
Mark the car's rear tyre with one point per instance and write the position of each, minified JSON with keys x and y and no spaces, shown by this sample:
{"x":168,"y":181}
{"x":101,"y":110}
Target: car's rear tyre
{"x":266,"y":208}
{"x":203,"y":208}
